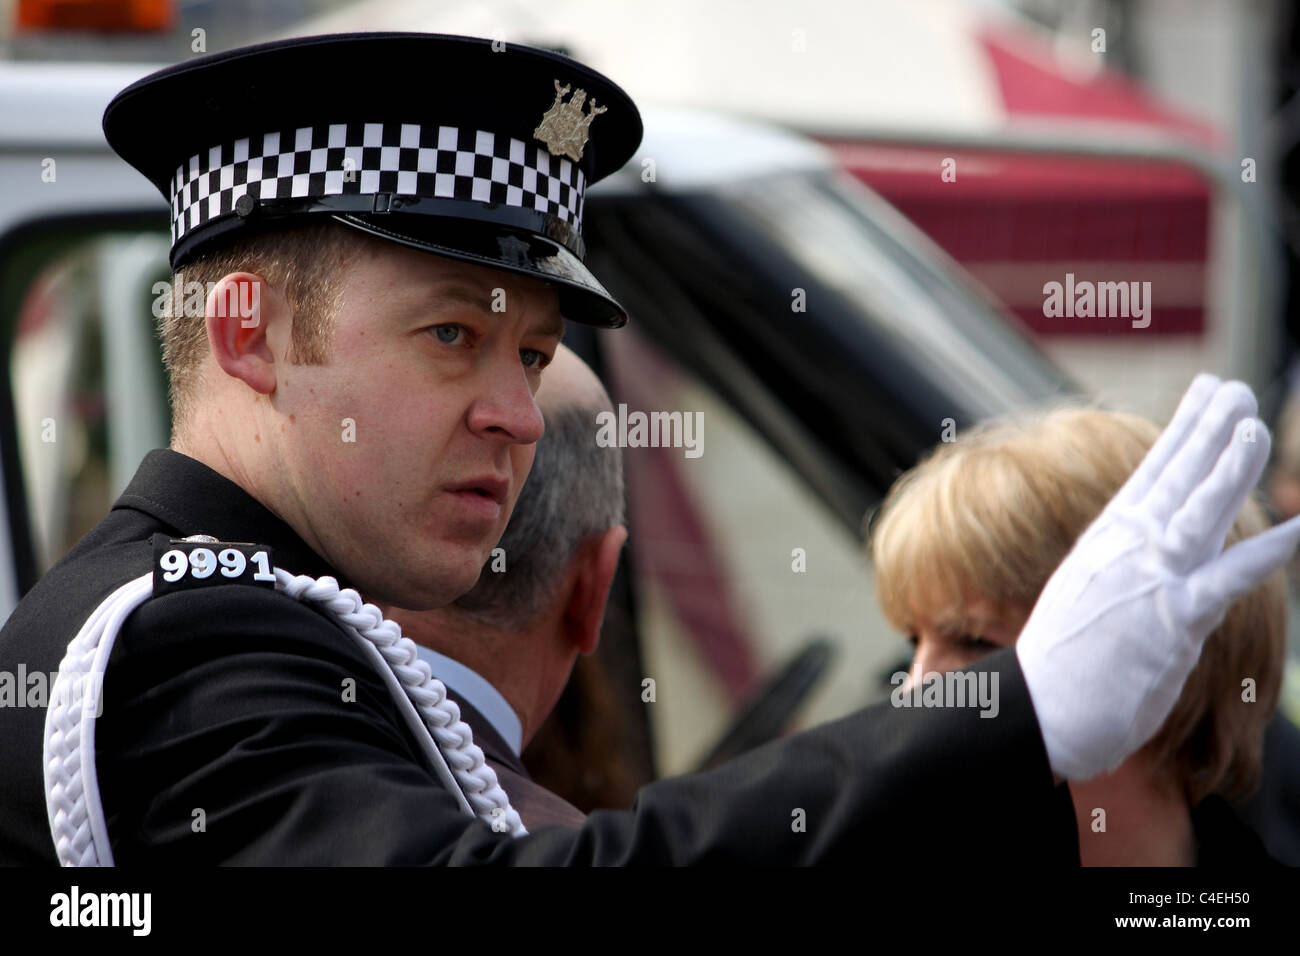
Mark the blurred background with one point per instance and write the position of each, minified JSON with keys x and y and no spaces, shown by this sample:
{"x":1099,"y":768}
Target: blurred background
{"x":919,"y":169}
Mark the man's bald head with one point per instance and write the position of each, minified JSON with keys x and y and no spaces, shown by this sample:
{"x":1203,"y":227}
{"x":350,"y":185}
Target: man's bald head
{"x":569,"y":382}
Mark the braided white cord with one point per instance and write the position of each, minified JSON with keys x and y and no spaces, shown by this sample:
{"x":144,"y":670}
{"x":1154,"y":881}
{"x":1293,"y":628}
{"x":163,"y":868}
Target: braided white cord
{"x":71,"y":788}
{"x":440,"y":715}
{"x":72,"y":801}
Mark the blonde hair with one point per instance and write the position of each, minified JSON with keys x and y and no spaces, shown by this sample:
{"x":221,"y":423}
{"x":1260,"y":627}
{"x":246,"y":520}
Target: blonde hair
{"x":992,"y":515}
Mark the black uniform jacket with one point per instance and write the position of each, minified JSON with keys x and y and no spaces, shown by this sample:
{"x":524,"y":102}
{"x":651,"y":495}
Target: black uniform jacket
{"x":1223,"y":839}
{"x":228,"y":699}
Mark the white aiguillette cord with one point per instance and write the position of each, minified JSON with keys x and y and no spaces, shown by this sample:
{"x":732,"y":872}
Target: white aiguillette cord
{"x":71,"y":788}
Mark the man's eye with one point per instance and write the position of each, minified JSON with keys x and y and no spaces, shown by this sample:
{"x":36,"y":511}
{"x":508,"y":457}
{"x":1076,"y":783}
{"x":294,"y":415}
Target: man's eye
{"x":450,"y":334}
{"x":978,"y":643}
{"x":911,"y":639}
{"x":534,"y":359}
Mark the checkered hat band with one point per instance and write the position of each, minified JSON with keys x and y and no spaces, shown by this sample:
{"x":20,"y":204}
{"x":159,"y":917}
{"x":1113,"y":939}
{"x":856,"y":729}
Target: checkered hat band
{"x":403,"y":159}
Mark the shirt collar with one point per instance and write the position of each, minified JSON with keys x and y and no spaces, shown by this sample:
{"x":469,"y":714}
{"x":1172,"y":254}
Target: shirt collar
{"x":480,"y":695}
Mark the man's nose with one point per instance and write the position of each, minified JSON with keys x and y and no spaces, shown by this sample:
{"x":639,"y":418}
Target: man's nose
{"x":507,"y":409}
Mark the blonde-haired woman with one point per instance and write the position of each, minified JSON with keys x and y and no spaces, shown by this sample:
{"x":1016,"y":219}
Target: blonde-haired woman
{"x":964,"y":543}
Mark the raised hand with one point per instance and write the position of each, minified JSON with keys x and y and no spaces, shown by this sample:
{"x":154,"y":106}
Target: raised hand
{"x":1120,"y":625}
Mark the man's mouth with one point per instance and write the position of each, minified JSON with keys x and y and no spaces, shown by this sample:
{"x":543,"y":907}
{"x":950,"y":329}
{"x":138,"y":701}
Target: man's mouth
{"x":485,"y":495}
{"x":485,"y":486}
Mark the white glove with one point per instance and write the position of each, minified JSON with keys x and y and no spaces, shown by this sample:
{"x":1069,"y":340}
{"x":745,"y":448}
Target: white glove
{"x":1120,"y":625}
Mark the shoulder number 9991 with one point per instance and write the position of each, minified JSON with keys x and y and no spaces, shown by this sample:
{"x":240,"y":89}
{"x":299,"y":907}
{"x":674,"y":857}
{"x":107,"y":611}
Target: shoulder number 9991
{"x":202,"y":563}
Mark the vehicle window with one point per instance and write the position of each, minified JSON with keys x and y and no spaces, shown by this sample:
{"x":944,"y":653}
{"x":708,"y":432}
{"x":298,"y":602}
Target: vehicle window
{"x":859,"y":245}
{"x":738,"y":565}
{"x":89,"y":391}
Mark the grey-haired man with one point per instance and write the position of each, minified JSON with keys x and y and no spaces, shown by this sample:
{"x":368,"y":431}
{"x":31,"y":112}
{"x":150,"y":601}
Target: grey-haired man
{"x":505,"y":650}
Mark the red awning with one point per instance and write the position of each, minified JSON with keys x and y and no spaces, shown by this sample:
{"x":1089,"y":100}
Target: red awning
{"x":1018,"y":221}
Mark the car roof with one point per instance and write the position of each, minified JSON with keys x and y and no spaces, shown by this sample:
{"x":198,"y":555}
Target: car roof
{"x":692,"y":149}
{"x":61,"y":104}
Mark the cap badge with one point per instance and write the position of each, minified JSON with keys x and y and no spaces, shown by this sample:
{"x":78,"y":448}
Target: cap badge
{"x":564,"y":126}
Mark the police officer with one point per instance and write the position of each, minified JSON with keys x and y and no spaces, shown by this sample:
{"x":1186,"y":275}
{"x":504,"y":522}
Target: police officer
{"x":391,"y":226}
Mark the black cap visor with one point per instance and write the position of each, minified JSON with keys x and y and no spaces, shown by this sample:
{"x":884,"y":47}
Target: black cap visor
{"x":582,"y":298}
{"x":470,"y":232}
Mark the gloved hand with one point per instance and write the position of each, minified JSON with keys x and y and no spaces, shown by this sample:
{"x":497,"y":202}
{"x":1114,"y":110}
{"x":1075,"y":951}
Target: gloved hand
{"x":1119,"y":626}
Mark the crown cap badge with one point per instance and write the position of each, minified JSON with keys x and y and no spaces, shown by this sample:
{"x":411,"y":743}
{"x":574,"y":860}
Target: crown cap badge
{"x":564,"y":127}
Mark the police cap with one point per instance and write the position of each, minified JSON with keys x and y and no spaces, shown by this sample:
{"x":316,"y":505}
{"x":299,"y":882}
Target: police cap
{"x":460,"y":146}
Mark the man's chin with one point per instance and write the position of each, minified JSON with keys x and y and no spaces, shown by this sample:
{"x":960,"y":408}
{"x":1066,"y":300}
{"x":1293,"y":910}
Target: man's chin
{"x":442,"y":585}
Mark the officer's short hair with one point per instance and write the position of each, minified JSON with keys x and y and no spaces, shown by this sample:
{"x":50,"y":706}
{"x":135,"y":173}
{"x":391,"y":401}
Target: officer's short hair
{"x":574,"y":491}
{"x":992,"y":514}
{"x":304,"y":263}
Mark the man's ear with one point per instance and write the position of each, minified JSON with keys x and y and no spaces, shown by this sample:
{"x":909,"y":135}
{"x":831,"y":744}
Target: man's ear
{"x":594,"y":567}
{"x":239,"y":312}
